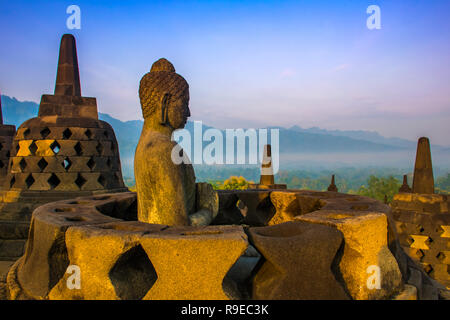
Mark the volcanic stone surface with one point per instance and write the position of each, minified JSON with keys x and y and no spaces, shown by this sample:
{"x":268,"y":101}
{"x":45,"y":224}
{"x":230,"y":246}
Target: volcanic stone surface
{"x":121,"y":258}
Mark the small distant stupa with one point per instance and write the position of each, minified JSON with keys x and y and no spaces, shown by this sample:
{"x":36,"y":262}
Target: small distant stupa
{"x":405,"y":188}
{"x":332,"y":187}
{"x":267,"y":179}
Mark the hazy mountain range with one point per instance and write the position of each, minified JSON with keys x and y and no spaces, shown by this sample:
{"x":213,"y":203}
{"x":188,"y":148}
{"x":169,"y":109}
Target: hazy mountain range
{"x":298,"y":146}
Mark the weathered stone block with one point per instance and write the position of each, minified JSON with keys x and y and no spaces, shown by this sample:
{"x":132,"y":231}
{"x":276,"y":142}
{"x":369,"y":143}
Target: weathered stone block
{"x":299,"y":260}
{"x":13,"y":230}
{"x":46,"y":258}
{"x":192,"y":263}
{"x":291,"y":204}
{"x":366,"y":245}
{"x":113,"y":264}
{"x":11,"y":248}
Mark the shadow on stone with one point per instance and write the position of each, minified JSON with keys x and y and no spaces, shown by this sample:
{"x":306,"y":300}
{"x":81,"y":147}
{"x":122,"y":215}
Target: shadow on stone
{"x":125,"y":209}
{"x":238,"y":278}
{"x":58,"y":261}
{"x":133,"y":275}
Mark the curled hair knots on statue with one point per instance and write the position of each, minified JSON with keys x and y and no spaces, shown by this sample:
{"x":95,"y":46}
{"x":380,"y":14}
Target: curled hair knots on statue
{"x":161,"y":80}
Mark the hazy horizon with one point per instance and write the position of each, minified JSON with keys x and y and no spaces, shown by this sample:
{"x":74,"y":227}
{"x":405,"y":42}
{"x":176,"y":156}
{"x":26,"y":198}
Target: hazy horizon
{"x":252,"y":64}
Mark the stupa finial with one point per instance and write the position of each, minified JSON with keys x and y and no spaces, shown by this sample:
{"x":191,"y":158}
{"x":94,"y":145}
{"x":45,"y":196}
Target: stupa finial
{"x":423,"y":181}
{"x":68,"y":76}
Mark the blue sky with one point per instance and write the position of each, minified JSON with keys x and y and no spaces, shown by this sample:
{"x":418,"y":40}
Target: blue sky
{"x":248,"y":63}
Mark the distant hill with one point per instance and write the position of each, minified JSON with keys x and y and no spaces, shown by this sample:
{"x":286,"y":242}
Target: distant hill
{"x":371,"y":136}
{"x":16,"y":112}
{"x":127,"y":133}
{"x":295,"y":140}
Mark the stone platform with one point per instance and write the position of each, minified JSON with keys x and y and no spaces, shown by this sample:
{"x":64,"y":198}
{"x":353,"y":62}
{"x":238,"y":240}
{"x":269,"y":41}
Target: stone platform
{"x":275,"y":245}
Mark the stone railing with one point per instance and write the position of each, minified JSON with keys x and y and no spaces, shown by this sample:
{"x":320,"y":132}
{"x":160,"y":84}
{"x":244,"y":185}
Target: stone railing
{"x":264,"y":244}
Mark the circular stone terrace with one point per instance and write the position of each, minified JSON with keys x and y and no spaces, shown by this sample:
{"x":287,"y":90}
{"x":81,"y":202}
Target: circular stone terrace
{"x":263,"y":244}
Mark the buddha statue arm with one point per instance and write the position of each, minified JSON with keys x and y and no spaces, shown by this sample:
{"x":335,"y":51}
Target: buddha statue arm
{"x":207,"y":201}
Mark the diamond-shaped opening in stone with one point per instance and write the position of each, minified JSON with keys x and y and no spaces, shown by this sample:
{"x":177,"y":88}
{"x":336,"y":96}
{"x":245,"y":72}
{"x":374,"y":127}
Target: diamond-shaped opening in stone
{"x":53,"y":181}
{"x":441,"y":256}
{"x":133,"y":274}
{"x":419,"y":254}
{"x":22,"y":164}
{"x":429,"y":241}
{"x":90,"y":163}
{"x":101,"y":179}
{"x":67,"y":163}
{"x":1,"y":146}
{"x":12,"y":182}
{"x":80,"y":181}
{"x":1,"y":164}
{"x":55,"y":146}
{"x":428,"y":268}
{"x":33,"y":147}
{"x":42,"y":164}
{"x":88,"y":133}
{"x":67,"y":133}
{"x":45,"y":132}
{"x":99,"y":148}
{"x":108,"y":162}
{"x":29,"y":180}
{"x":78,"y":149}
{"x":420,"y":228}
{"x":26,"y":133}
{"x":8,"y":154}
{"x":410,"y":240}
{"x":17,"y":148}
{"x":236,"y":282}
{"x":105,"y":133}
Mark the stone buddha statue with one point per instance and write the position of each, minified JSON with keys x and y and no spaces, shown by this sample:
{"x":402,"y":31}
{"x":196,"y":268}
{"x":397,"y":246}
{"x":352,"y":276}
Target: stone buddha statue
{"x":166,"y":191}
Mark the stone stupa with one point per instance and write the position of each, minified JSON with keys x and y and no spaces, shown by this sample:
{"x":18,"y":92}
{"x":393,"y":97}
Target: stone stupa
{"x":332,"y":187}
{"x":267,"y":178}
{"x":63,"y":153}
{"x":405,"y":188}
{"x":423,"y":170}
{"x":423,"y":218}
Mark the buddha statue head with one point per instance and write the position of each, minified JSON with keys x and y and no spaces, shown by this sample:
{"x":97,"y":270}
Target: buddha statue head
{"x":164,"y":96}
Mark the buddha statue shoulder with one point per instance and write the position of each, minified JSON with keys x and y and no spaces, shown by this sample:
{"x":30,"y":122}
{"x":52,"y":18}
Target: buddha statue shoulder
{"x":166,"y":189}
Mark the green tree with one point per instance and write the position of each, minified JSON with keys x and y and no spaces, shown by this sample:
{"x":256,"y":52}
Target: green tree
{"x":235,"y":183}
{"x":378,"y":188}
{"x":443,"y":184}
